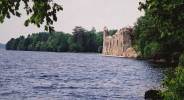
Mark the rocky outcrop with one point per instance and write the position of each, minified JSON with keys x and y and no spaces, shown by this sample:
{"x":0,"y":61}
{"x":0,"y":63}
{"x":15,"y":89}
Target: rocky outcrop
{"x":120,"y":44}
{"x":153,"y":95}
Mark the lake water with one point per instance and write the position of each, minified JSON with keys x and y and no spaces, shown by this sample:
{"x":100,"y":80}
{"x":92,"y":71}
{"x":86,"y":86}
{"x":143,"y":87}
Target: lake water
{"x":74,"y":76}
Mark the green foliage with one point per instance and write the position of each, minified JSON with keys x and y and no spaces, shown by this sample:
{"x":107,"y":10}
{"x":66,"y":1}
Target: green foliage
{"x":146,"y":37}
{"x":81,"y":40}
{"x":162,"y":24}
{"x":159,"y":34}
{"x":74,"y":47}
{"x":151,"y":49}
{"x":38,"y":11}
{"x":175,"y":85}
{"x":181,"y":60}
{"x":99,"y":38}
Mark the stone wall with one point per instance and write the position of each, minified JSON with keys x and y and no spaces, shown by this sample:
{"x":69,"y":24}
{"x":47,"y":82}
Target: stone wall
{"x":119,"y":44}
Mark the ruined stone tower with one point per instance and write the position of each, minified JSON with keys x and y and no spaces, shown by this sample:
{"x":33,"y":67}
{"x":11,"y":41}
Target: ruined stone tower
{"x":120,"y":44}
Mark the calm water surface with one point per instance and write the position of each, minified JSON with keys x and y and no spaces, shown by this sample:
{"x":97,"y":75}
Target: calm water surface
{"x":74,"y":76}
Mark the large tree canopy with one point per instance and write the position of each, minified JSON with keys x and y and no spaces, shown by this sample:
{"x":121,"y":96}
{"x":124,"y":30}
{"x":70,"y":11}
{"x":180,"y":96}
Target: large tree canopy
{"x":39,"y":11}
{"x":159,"y":33}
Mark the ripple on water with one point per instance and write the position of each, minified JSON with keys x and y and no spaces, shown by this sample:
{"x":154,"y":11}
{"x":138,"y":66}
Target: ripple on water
{"x":70,"y":76}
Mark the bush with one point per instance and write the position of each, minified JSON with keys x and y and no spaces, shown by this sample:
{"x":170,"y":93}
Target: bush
{"x":175,"y":85}
{"x":151,"y":49}
{"x":181,"y":60}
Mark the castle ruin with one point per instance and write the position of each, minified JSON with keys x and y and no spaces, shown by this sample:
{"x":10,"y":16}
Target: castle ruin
{"x":120,"y":44}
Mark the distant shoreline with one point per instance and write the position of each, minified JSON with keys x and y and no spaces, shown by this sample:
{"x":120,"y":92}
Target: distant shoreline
{"x":2,"y":46}
{"x":52,"y":51}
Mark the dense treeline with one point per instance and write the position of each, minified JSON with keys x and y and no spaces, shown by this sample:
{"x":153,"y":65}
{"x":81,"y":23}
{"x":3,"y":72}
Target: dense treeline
{"x":81,"y":40}
{"x":159,"y":34}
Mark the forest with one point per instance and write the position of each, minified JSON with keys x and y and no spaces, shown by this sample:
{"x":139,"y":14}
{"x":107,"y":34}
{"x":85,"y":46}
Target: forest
{"x":80,"y":40}
{"x":159,"y":35}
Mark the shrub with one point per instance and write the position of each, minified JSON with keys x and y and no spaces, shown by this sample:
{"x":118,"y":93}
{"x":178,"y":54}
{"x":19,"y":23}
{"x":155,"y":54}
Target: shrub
{"x":175,"y":85}
{"x":181,"y":60}
{"x":151,"y":49}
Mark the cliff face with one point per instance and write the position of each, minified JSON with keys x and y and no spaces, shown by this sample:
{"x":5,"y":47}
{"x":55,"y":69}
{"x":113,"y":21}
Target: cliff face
{"x":119,"y":44}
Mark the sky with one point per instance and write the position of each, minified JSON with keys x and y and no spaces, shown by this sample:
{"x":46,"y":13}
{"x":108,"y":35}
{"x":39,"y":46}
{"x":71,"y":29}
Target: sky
{"x":114,"y":14}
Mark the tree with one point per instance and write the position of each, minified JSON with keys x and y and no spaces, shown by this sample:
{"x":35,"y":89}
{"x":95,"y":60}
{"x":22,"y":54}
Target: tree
{"x":82,"y":40}
{"x":79,"y":37}
{"x":91,"y":43}
{"x":40,"y":11}
{"x":21,"y":44}
{"x":159,"y":33}
{"x":10,"y":44}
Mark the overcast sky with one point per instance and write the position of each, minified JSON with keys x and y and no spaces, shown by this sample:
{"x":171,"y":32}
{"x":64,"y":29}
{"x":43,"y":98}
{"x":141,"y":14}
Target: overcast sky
{"x":114,"y":14}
